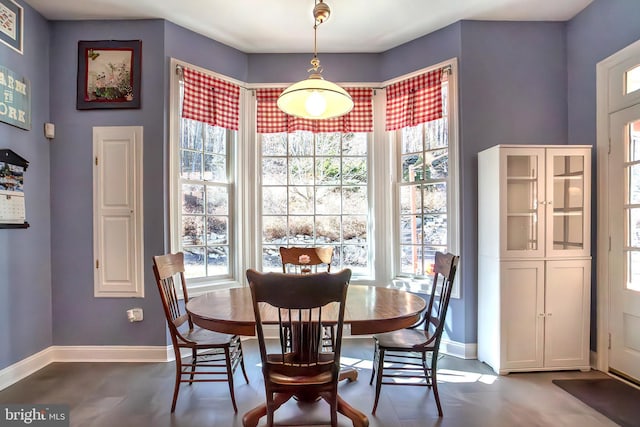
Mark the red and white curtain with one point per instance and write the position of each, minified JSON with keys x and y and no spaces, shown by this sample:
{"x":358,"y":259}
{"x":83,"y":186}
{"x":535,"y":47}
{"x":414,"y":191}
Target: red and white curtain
{"x":210,"y":100}
{"x":414,"y":101}
{"x":270,"y":119}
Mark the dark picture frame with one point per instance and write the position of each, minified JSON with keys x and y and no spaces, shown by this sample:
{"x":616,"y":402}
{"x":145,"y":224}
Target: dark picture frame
{"x":109,"y":74}
{"x":11,"y":24}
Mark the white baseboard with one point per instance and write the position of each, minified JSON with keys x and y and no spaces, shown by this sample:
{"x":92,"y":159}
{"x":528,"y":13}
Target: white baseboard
{"x":14,"y":373}
{"x":113,"y":353}
{"x":83,"y":353}
{"x":25,"y":367}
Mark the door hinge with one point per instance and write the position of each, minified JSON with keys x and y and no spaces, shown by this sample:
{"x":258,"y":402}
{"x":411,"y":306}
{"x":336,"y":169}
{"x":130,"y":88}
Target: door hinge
{"x":609,"y":340}
{"x":96,"y":160}
{"x":609,"y":243}
{"x":97,"y":264}
{"x":609,"y":152}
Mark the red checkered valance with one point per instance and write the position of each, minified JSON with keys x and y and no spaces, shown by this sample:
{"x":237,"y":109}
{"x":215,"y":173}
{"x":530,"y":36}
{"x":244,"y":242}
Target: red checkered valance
{"x":270,"y":119}
{"x":414,"y":101}
{"x":210,"y":100}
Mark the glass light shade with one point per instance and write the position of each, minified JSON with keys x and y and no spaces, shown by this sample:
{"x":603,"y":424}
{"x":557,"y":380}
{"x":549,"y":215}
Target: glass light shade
{"x":315,"y":98}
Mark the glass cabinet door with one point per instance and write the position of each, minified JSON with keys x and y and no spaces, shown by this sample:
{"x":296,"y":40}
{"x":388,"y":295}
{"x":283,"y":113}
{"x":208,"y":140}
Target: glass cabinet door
{"x":568,"y":202}
{"x":523,"y":222}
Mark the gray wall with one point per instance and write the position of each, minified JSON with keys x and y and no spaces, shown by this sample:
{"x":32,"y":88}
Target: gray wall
{"x":25,"y":257}
{"x":78,"y":317}
{"x":521,"y":83}
{"x":598,"y":32}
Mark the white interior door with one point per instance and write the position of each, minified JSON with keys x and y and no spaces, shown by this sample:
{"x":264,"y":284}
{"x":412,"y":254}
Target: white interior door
{"x":624,"y":257}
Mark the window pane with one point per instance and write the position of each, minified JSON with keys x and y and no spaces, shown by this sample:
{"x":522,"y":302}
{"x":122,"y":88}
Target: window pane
{"x":633,"y":79}
{"x":354,"y":144}
{"x":300,"y":231}
{"x":192,"y":230}
{"x":300,"y":144}
{"x":191,"y":165}
{"x":218,"y":260}
{"x":436,"y":135}
{"x":271,"y":259}
{"x":410,"y":199}
{"x":412,"y":141}
{"x":315,"y":207}
{"x":274,"y":144}
{"x":215,"y":168}
{"x":412,"y":168}
{"x":634,"y":141}
{"x":193,"y":198}
{"x":633,"y":279}
{"x":300,"y":170}
{"x":327,"y":170}
{"x":354,"y":200}
{"x":634,"y":184}
{"x":435,"y":197}
{"x":215,"y":140}
{"x":328,"y":200}
{"x":354,"y":170}
{"x":217,"y":229}
{"x":194,"y":260}
{"x":327,"y":229}
{"x":356,"y":258}
{"x":274,"y":200}
{"x":217,"y":200}
{"x":354,"y":229}
{"x":274,"y":230}
{"x":436,"y":164}
{"x":435,"y":229}
{"x":274,"y":171}
{"x":410,"y":229}
{"x":300,"y":200}
{"x":634,"y":228}
{"x":328,"y":144}
{"x":191,"y":134}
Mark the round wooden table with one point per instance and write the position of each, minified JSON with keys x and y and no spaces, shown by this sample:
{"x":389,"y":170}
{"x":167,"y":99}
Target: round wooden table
{"x":369,"y":310}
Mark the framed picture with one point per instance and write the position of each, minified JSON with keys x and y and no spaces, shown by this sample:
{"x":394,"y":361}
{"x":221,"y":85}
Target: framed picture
{"x":109,"y":74}
{"x":11,"y":24}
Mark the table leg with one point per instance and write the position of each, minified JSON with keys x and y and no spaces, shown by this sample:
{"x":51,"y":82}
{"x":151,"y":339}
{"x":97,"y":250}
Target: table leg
{"x":350,"y":374}
{"x":251,"y":418}
{"x":358,"y":419}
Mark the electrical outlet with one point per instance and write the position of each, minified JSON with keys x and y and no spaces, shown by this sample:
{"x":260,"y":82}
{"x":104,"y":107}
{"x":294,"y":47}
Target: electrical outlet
{"x":135,"y":315}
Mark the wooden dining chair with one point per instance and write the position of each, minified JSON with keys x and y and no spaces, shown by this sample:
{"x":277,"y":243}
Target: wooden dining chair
{"x":293,"y":262}
{"x":304,"y":304}
{"x":214,"y":356}
{"x":292,"y":259}
{"x":400,"y":357}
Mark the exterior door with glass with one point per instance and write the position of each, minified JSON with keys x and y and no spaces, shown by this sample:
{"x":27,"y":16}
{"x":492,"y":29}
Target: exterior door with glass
{"x":624,"y":256}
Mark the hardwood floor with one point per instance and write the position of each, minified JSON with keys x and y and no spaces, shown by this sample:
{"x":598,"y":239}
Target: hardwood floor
{"x":139,"y":395}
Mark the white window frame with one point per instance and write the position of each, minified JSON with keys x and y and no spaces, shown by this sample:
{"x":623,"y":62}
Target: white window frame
{"x":382,"y":161}
{"x":237,"y":265}
{"x":453,"y":197}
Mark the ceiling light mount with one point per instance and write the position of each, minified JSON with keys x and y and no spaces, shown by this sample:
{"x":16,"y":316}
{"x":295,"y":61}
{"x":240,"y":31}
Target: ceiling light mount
{"x":316,"y":98}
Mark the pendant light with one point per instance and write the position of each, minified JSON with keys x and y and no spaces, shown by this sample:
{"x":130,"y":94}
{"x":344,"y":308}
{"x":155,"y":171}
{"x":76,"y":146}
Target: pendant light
{"x":315,"y":97}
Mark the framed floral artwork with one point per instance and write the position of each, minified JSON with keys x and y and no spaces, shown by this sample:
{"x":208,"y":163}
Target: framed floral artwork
{"x":109,"y":73}
{"x":11,"y":23}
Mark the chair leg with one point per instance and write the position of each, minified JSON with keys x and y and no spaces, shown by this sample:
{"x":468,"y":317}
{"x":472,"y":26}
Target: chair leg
{"x":375,"y":361}
{"x":194,"y":360}
{"x":434,"y":381}
{"x":241,"y":355}
{"x":227,"y":357}
{"x":176,"y":387}
{"x":378,"y":378}
{"x":425,"y":368}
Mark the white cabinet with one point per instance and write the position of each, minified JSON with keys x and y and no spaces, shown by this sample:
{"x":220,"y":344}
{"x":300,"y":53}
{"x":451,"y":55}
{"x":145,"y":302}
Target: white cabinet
{"x":534,"y":266}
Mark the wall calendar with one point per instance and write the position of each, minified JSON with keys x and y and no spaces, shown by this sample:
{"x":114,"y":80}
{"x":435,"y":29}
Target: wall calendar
{"x":12,"y":206}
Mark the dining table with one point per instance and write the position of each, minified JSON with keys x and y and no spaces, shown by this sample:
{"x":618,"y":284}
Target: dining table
{"x":370,"y":309}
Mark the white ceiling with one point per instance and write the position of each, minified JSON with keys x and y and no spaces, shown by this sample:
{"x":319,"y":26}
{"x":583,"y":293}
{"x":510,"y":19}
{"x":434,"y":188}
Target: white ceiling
{"x":279,"y":26}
